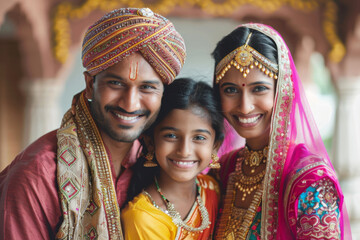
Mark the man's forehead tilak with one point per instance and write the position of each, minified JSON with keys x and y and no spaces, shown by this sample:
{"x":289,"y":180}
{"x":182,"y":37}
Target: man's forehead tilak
{"x":133,"y":70}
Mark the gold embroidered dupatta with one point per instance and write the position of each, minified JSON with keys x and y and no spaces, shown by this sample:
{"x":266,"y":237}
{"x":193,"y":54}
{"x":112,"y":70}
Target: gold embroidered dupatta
{"x":86,"y":189}
{"x":279,"y":139}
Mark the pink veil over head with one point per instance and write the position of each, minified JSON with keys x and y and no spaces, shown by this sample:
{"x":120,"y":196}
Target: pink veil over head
{"x":292,"y":128}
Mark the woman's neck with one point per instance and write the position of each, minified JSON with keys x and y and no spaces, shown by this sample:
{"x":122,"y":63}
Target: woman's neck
{"x":259,"y":142}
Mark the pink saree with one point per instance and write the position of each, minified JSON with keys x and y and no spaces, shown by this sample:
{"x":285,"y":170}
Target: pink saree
{"x":296,"y":161}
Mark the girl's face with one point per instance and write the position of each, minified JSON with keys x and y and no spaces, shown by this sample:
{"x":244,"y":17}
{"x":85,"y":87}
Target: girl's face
{"x":184,"y":141}
{"x":247,"y":104}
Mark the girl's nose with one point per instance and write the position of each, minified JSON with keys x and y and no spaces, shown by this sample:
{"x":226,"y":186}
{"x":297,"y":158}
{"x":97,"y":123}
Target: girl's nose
{"x":184,"y":149}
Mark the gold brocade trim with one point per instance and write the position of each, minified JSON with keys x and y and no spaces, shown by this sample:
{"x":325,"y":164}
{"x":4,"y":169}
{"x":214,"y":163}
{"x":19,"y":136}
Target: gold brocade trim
{"x":296,"y":181}
{"x":66,"y":11}
{"x":103,"y":167}
{"x":295,"y":177}
{"x":235,"y":222}
{"x":279,"y":136}
{"x":89,"y":174}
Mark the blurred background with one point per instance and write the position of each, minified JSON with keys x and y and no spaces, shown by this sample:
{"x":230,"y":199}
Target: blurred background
{"x":41,"y":69}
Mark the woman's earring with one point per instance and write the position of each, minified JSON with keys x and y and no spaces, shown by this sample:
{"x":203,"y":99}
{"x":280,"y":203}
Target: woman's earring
{"x":252,"y":107}
{"x":89,"y":100}
{"x":149,"y":160}
{"x":215,"y":161}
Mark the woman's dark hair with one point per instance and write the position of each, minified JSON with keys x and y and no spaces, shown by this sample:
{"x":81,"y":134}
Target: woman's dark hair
{"x":259,"y":41}
{"x":183,"y":93}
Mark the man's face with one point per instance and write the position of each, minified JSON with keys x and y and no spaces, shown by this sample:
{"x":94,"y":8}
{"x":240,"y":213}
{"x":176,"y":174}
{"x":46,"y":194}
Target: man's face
{"x":126,"y":98}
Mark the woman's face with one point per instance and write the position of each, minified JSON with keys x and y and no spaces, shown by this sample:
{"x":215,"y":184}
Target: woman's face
{"x":247,"y":104}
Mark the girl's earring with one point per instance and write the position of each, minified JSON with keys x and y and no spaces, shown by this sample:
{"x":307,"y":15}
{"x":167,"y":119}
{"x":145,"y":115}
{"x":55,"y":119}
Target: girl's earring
{"x":89,"y":100}
{"x":149,"y":160}
{"x":215,"y":161}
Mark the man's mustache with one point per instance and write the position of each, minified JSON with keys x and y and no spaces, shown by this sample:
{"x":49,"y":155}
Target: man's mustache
{"x":119,"y":109}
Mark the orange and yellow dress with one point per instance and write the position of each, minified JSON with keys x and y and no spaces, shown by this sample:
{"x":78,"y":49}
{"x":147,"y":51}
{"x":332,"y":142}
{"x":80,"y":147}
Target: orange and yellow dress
{"x":141,"y":219}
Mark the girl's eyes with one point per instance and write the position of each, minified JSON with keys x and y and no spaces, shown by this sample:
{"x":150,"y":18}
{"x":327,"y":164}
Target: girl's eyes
{"x":199,"y":138}
{"x":170,"y":135}
{"x":173,"y":136}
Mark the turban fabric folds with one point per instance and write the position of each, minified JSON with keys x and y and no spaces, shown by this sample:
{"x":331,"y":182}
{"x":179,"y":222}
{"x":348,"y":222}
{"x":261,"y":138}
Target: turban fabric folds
{"x":124,"y":31}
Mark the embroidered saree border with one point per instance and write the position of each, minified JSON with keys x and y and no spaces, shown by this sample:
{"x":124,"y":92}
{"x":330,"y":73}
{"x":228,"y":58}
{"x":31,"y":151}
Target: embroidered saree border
{"x":279,"y":135}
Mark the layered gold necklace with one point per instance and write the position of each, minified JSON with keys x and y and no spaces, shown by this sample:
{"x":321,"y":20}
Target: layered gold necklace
{"x":246,"y":184}
{"x":235,"y":221}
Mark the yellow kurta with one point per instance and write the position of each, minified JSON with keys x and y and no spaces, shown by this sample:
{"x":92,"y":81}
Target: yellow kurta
{"x":141,"y":220}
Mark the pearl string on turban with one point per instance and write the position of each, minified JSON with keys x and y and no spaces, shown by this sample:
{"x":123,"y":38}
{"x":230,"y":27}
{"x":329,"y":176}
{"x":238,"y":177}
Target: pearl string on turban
{"x":125,"y":31}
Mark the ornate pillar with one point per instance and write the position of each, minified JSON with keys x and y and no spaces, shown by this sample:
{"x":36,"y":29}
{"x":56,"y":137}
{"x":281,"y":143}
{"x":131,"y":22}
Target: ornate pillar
{"x":346,"y":146}
{"x":42,"y":108}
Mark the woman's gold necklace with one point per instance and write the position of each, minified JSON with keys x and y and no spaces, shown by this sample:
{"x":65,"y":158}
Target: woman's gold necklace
{"x":175,"y":215}
{"x":247,"y":184}
{"x":254,"y":158}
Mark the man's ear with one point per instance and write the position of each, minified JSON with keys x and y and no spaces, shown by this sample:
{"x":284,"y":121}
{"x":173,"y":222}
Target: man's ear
{"x":89,"y":88}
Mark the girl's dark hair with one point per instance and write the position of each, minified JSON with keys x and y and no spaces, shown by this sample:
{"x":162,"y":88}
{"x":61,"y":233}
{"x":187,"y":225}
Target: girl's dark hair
{"x":259,"y":41}
{"x":183,"y":93}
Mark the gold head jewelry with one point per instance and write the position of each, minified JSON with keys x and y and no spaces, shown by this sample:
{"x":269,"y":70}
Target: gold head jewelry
{"x":149,"y":160}
{"x":245,"y":58}
{"x":215,"y":161}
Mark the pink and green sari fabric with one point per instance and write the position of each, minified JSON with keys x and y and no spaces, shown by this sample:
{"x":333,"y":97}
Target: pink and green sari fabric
{"x":301,"y":197}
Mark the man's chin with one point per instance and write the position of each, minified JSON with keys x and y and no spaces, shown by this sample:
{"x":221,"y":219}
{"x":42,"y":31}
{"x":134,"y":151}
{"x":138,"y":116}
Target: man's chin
{"x":126,"y":135}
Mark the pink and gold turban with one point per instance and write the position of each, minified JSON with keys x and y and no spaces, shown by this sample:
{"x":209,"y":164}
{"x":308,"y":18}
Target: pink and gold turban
{"x":127,"y":30}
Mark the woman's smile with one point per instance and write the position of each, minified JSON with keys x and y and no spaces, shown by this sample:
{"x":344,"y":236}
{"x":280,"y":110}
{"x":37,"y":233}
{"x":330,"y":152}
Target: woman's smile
{"x":248,"y":103}
{"x":249,"y":121}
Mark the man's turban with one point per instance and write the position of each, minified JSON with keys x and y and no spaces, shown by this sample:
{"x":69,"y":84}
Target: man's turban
{"x":125,"y":31}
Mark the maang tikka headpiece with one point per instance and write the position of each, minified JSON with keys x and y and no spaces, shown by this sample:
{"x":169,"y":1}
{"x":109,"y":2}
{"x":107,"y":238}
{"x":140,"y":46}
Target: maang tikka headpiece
{"x":245,"y":58}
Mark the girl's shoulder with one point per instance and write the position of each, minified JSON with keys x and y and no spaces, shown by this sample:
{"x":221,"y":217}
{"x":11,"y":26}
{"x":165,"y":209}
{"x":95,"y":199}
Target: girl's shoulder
{"x":206,"y":180}
{"x":140,"y":217}
{"x":139,"y":202}
{"x":208,"y":183}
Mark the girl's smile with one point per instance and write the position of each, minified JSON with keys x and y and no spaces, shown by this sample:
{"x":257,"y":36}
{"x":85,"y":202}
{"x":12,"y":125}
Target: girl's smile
{"x":184,"y":141}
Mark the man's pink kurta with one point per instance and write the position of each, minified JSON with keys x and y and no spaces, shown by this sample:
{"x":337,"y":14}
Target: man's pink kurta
{"x":29,"y":201}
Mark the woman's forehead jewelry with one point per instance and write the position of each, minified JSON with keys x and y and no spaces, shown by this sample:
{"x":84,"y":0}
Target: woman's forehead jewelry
{"x":245,"y":58}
